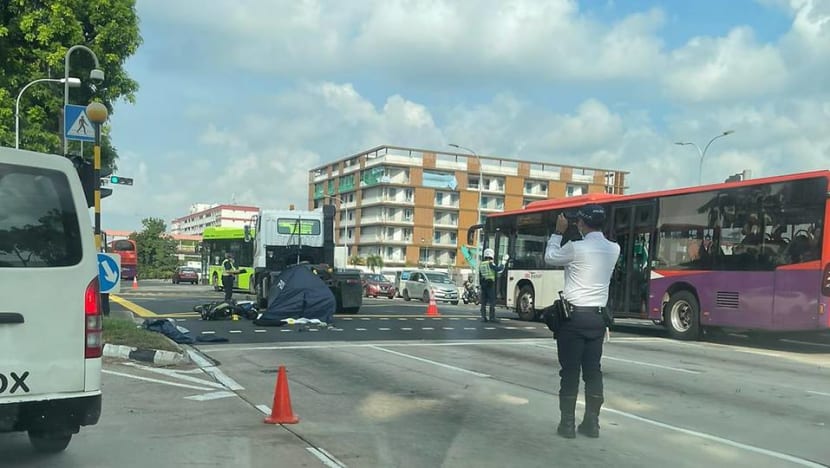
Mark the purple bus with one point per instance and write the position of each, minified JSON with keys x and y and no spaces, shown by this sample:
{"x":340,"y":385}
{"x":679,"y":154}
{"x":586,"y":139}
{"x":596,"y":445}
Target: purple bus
{"x":747,"y":255}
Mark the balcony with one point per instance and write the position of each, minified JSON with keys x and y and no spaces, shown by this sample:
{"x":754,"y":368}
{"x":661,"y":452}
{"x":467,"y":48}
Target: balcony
{"x":445,"y":222}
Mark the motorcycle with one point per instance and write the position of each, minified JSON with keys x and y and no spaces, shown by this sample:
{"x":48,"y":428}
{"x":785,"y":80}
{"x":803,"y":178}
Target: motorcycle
{"x":471,"y":294}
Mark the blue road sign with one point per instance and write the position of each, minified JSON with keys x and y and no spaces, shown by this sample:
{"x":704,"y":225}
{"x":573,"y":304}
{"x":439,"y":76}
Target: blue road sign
{"x":109,"y":272}
{"x":76,"y":124}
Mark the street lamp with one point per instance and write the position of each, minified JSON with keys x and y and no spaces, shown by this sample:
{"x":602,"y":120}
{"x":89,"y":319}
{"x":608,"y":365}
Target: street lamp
{"x":345,"y":229}
{"x":73,"y":82}
{"x":703,"y":153}
{"x":478,"y":209}
{"x":96,"y":75}
{"x":97,"y":114}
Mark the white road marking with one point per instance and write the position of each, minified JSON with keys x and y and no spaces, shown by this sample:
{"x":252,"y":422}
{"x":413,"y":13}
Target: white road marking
{"x":210,"y":396}
{"x":403,"y":319}
{"x":419,"y":318}
{"x":360,"y":329}
{"x":174,"y":374}
{"x":511,"y":328}
{"x":818,"y":393}
{"x":530,"y":328}
{"x":454,"y":318}
{"x":489,"y":328}
{"x":266,"y":410}
{"x":384,"y":318}
{"x":406,"y":329}
{"x":429,"y":361}
{"x":208,"y":332}
{"x":640,"y":363}
{"x":148,"y":379}
{"x":234,"y":331}
{"x":341,"y":318}
{"x":383,"y":329}
{"x":365,"y":318}
{"x":325,"y":459}
{"x":731,"y":443}
{"x":285,"y":330}
{"x":469,"y":328}
{"x":207,"y":366}
{"x":427,"y":328}
{"x":260,"y":331}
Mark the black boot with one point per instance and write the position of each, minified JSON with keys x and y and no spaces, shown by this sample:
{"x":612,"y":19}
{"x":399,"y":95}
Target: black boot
{"x":590,"y":422}
{"x":567,"y":421}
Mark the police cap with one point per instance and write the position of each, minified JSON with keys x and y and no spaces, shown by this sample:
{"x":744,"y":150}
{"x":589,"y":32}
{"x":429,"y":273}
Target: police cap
{"x":592,"y":215}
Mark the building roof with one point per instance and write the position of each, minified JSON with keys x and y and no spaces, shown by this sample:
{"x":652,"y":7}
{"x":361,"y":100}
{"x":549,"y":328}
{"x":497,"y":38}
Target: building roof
{"x":218,"y":207}
{"x":464,"y":154}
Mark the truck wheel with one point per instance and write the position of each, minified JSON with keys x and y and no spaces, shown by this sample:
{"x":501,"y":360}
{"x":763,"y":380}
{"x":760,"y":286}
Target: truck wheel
{"x":406,"y":295}
{"x":525,"y":304}
{"x":49,"y":442}
{"x":682,"y":316}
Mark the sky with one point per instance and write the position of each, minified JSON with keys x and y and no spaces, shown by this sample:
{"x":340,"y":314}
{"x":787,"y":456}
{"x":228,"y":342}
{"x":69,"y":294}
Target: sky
{"x":239,"y":99}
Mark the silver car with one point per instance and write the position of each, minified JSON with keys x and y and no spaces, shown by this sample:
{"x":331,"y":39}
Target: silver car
{"x":420,"y":283}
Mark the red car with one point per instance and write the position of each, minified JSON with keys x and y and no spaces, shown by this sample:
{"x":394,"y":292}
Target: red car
{"x":185,"y":275}
{"x":377,"y":285}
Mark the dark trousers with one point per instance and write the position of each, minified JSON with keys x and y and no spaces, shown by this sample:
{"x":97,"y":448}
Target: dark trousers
{"x":488,"y":298}
{"x":579,"y":344}
{"x":227,"y":286}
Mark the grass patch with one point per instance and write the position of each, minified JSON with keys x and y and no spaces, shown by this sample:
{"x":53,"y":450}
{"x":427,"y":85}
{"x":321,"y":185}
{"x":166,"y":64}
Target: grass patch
{"x":127,"y":333}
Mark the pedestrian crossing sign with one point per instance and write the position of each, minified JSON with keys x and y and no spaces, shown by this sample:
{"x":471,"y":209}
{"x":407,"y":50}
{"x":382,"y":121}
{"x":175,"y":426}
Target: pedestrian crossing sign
{"x":76,"y":124}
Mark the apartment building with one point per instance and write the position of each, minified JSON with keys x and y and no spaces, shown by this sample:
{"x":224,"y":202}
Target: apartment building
{"x":201,"y":216}
{"x":413,"y":206}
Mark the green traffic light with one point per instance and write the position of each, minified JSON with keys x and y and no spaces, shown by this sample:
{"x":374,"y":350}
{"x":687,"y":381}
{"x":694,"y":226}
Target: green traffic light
{"x":114,"y":179}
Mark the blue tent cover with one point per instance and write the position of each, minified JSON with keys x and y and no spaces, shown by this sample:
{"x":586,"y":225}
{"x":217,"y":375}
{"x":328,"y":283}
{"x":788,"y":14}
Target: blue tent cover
{"x":298,"y":293}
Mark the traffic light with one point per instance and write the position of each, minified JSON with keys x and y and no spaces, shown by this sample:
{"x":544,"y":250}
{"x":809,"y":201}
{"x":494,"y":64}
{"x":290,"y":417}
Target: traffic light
{"x":118,"y":180}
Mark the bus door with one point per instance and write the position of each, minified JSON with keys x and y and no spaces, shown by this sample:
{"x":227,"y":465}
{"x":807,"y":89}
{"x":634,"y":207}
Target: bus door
{"x":501,"y":247}
{"x":632,"y":227}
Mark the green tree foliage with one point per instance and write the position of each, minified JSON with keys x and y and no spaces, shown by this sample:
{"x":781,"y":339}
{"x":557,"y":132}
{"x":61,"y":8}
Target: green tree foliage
{"x":374,"y":262}
{"x":156,"y":250}
{"x":34,"y":38}
{"x":357,"y":260}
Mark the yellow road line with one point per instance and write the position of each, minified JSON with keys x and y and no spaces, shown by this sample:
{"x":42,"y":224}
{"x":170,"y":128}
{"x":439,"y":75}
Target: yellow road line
{"x":133,"y":307}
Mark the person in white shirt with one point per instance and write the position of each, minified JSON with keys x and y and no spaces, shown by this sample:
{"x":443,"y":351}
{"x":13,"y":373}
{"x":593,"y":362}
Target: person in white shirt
{"x":588,"y":264}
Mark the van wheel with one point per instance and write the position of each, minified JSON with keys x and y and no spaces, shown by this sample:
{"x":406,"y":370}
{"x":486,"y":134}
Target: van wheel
{"x":525,"y":304}
{"x":49,"y":442}
{"x":406,"y":295}
{"x":683,"y":316}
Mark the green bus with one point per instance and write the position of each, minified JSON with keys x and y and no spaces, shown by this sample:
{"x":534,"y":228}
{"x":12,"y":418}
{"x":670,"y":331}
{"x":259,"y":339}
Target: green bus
{"x":216,"y":242}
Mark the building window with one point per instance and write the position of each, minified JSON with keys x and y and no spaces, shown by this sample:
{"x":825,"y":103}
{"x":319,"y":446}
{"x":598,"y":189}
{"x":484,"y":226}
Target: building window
{"x":472,"y":182}
{"x":439,"y":198}
{"x":575,"y":190}
{"x":407,"y":215}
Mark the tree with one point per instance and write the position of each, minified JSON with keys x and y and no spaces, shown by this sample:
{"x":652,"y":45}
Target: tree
{"x":34,"y":38}
{"x":374,"y":261}
{"x":156,"y":251}
{"x":357,"y":260}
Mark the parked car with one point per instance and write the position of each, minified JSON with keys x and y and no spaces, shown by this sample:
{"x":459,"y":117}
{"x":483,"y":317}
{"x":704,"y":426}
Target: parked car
{"x":420,"y":283}
{"x":51,"y":344}
{"x":185,"y":275}
{"x":377,"y":285}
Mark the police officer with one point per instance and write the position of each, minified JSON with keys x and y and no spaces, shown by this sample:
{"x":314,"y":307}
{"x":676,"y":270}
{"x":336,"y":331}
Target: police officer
{"x":228,"y":272}
{"x":588,"y":264}
{"x":488,"y":271}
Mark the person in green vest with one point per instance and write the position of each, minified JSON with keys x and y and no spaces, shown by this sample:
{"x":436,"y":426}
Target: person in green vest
{"x":487,"y":273}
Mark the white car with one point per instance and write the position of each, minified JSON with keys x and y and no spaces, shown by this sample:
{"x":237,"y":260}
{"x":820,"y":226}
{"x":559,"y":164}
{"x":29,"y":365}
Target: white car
{"x":420,"y":284}
{"x":50,"y":322}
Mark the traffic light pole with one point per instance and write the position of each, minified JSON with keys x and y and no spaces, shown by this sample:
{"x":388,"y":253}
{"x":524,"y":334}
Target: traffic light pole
{"x":96,"y":171}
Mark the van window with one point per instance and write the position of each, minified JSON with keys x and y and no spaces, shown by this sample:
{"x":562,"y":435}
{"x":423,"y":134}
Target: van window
{"x":38,"y":222}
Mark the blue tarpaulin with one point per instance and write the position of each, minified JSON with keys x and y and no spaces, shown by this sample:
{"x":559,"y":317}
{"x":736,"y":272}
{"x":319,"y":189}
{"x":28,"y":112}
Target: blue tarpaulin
{"x":298,"y":293}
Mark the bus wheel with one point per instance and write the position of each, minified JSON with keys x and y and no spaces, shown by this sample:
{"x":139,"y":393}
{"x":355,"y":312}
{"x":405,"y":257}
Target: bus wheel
{"x":683,"y":316}
{"x":524,"y":304}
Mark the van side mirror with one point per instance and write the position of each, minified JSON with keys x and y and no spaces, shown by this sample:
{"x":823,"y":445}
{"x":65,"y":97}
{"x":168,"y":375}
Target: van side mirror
{"x":247,"y":230}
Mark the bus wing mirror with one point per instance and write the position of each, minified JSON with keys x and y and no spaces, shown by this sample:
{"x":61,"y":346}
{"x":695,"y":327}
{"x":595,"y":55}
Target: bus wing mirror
{"x":471,"y":233}
{"x":247,"y":230}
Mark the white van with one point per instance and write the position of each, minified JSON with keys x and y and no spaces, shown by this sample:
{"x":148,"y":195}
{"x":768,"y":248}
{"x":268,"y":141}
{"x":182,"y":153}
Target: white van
{"x":50,"y":321}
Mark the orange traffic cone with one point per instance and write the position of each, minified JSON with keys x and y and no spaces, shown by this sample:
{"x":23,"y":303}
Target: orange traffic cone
{"x":432,"y":308}
{"x":135,"y":282}
{"x":281,"y":412}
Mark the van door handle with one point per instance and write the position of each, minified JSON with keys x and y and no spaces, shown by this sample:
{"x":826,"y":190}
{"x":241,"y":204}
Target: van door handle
{"x":11,"y":317}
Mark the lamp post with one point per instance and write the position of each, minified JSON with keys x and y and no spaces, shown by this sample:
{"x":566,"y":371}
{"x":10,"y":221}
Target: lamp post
{"x":97,"y":114}
{"x":96,"y":74}
{"x":345,"y":229}
{"x":478,"y":208}
{"x":702,"y":153}
{"x":73,"y":82}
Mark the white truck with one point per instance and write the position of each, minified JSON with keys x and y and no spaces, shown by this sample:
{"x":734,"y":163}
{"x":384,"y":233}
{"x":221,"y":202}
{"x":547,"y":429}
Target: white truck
{"x":288,"y":237}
